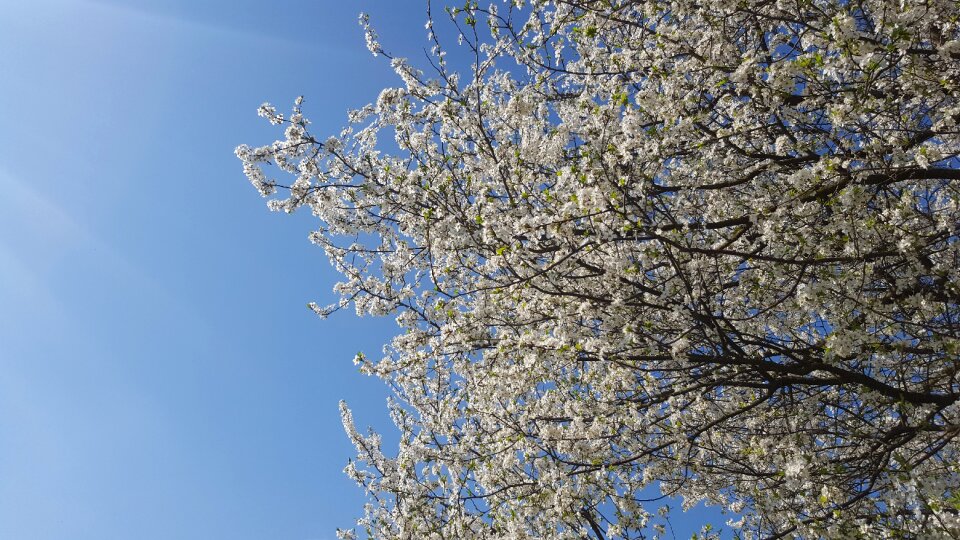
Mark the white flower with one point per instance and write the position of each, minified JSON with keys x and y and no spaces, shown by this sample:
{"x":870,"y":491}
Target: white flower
{"x":689,"y":247}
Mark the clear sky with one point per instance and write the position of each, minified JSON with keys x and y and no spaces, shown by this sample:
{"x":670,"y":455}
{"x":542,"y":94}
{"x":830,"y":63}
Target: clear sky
{"x":160,"y":375}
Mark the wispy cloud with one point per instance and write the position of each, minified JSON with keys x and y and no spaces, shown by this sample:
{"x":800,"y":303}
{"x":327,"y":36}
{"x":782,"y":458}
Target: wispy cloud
{"x":209,"y":27}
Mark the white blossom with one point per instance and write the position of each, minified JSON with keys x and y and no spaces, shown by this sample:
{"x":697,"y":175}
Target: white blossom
{"x":707,"y":250}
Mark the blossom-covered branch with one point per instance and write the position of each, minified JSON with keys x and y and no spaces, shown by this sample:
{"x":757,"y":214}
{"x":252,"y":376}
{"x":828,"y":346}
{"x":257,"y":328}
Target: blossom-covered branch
{"x":709,"y":249}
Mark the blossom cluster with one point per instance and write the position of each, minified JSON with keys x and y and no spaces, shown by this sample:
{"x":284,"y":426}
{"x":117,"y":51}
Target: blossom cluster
{"x":655,"y":249}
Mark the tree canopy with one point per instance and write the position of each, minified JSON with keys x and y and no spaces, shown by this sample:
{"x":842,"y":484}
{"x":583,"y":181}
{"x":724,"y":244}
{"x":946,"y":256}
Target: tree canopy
{"x":654,"y":248}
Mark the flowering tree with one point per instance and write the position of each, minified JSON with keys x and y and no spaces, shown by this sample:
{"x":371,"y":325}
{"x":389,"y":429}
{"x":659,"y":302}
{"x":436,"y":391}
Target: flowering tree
{"x":655,"y":248}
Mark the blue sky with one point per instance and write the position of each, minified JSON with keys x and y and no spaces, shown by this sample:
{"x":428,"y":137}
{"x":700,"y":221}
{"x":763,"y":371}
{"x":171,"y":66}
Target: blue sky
{"x":160,"y":375}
